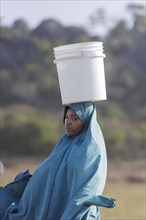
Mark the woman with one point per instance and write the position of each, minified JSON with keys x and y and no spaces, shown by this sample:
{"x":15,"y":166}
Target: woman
{"x":74,"y":172}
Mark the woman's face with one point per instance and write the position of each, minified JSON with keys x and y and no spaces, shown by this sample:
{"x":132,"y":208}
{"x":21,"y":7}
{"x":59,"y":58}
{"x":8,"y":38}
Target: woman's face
{"x":73,"y":124}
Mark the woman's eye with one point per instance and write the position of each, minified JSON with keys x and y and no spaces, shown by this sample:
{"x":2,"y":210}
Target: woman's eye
{"x":71,"y":118}
{"x":74,"y":118}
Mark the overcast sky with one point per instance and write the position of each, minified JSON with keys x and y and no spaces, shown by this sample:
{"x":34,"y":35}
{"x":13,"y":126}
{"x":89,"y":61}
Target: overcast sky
{"x":67,"y":12}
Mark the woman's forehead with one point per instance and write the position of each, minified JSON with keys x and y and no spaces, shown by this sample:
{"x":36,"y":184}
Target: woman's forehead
{"x":71,"y":112}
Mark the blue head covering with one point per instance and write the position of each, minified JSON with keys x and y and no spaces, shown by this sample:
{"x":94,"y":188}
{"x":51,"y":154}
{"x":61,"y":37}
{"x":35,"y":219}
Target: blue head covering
{"x":73,"y":173}
{"x":84,"y":111}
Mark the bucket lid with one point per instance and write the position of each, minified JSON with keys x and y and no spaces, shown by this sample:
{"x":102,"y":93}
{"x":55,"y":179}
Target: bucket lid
{"x":87,"y":45}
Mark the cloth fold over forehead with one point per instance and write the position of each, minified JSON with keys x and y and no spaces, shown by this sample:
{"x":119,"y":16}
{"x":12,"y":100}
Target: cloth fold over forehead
{"x":84,"y":110}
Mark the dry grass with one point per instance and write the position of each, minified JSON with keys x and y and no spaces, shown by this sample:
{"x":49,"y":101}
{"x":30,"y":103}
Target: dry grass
{"x":130,"y":201}
{"x":16,"y":165}
{"x":125,"y":182}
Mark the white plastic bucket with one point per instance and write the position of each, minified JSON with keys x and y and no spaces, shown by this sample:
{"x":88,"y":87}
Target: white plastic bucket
{"x":80,"y":70}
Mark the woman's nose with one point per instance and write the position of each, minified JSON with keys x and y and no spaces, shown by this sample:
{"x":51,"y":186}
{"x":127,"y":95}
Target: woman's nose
{"x":68,"y":121}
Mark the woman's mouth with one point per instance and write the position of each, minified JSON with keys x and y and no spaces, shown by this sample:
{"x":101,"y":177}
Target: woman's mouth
{"x":67,"y":128}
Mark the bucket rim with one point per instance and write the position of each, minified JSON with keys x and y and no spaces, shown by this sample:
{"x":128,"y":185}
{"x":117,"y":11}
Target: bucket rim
{"x":78,"y":45}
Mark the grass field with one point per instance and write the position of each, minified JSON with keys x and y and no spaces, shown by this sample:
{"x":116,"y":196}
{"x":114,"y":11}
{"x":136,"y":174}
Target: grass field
{"x":125,"y":182}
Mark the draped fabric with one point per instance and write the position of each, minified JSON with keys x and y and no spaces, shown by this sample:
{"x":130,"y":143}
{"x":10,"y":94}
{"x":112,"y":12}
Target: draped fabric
{"x":73,"y":173}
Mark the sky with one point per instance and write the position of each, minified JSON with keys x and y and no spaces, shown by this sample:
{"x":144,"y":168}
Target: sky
{"x":67,"y":12}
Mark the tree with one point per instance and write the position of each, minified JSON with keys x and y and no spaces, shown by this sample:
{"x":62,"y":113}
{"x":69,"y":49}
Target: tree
{"x":138,"y":16}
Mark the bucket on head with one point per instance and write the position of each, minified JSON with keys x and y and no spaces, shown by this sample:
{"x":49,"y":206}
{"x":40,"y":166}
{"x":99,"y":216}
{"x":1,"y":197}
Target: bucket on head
{"x":80,"y":70}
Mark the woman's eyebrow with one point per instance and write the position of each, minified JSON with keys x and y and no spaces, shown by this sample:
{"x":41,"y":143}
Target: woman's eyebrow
{"x":73,"y":115}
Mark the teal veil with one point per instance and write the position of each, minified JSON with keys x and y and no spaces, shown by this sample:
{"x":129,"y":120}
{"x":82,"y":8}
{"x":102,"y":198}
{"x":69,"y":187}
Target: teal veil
{"x":73,"y":173}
